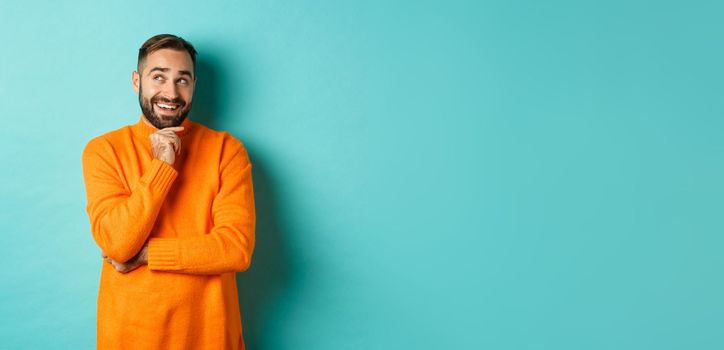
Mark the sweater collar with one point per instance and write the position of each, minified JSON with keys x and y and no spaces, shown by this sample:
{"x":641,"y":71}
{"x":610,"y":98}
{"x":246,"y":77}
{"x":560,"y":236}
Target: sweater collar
{"x":144,"y":130}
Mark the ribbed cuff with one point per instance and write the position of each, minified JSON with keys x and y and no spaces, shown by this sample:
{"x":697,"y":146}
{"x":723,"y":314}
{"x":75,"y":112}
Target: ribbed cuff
{"x":163,"y":254}
{"x":160,"y":175}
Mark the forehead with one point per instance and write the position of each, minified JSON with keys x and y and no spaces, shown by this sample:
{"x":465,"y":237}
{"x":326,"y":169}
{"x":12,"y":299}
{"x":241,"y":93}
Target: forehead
{"x":168,"y":58}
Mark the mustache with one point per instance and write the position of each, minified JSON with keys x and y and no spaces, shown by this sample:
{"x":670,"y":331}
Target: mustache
{"x":179,"y":101}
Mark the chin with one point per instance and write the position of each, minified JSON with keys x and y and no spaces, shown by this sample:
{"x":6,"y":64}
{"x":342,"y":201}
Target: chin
{"x":170,"y":121}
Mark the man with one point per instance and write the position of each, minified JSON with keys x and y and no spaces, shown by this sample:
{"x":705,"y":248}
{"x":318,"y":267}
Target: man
{"x":171,"y":205}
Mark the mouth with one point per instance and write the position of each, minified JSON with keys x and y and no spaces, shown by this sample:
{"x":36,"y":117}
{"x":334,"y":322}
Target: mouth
{"x":166,"y":107}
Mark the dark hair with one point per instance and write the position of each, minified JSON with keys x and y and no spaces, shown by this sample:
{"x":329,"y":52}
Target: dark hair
{"x":165,"y":41}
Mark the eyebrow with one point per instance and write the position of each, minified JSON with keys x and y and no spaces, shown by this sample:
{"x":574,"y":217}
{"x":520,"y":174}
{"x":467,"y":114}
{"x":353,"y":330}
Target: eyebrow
{"x":164,"y":69}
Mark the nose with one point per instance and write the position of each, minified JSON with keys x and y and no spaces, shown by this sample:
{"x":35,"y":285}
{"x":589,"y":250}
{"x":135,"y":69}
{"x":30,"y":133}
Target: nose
{"x":170,"y":90}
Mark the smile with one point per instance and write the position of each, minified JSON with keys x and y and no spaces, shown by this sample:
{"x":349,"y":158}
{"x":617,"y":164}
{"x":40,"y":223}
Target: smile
{"x":167,"y":106}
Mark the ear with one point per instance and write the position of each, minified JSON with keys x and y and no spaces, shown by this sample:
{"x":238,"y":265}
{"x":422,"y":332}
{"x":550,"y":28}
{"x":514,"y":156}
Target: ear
{"x":135,"y":80}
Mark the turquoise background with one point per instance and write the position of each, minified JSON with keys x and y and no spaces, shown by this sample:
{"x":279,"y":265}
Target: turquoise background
{"x":428,"y":174}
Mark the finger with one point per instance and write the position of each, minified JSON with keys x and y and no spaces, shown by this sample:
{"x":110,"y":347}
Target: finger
{"x":134,"y":266}
{"x":128,"y":267}
{"x":174,"y":146}
{"x":177,"y":145}
{"x":164,"y":146}
{"x":173,"y":128}
{"x":174,"y":140}
{"x":167,"y":133}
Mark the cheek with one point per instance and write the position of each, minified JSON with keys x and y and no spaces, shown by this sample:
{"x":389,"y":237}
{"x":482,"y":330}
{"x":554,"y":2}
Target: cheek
{"x":188,"y":95}
{"x":149,"y":94}
{"x":147,"y":97}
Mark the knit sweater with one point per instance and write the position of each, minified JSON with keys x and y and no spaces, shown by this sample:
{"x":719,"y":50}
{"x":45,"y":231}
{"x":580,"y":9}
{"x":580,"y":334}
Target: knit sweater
{"x":198,"y":219}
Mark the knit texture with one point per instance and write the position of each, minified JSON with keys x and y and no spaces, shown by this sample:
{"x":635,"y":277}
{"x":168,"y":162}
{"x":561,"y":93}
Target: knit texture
{"x":198,"y":218}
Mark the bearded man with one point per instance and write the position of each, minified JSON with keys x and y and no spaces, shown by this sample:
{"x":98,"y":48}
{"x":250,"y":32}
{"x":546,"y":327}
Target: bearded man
{"x":171,"y":206}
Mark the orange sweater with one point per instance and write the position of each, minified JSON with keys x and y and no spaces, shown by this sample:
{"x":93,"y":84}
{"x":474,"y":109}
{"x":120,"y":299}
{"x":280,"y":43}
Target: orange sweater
{"x":199,"y":219}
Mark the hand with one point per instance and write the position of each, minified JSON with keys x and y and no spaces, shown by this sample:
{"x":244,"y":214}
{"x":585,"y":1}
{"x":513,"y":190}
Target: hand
{"x":165,"y":144}
{"x":140,"y":259}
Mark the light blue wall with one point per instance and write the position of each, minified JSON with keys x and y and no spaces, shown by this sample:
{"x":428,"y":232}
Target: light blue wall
{"x":429,"y":175}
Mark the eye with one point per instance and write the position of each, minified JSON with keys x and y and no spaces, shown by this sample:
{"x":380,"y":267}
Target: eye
{"x":183,"y":81}
{"x":158,"y":77}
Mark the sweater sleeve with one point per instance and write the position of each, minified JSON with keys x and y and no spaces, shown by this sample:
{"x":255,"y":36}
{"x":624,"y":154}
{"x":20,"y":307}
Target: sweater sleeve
{"x":228,"y":247}
{"x":121,"y":220}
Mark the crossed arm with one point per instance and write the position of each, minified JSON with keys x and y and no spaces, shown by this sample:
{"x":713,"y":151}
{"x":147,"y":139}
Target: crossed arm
{"x":140,"y":259}
{"x":121,"y":220}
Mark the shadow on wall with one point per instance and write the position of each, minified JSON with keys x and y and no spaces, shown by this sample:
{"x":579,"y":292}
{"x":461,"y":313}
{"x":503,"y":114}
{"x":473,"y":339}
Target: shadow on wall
{"x":266,"y":283}
{"x":205,"y":109}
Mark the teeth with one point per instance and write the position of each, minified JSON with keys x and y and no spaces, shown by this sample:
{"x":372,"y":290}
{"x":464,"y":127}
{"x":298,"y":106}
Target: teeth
{"x":165,"y":106}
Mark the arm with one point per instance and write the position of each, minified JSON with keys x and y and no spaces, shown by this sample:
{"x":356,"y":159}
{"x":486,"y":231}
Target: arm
{"x":121,"y":220}
{"x":230,"y":243}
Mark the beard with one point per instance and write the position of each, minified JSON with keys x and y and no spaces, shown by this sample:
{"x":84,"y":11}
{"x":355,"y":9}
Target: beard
{"x":163,"y":121}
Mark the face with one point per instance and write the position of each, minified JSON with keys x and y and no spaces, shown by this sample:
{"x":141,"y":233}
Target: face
{"x":165,"y":87}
